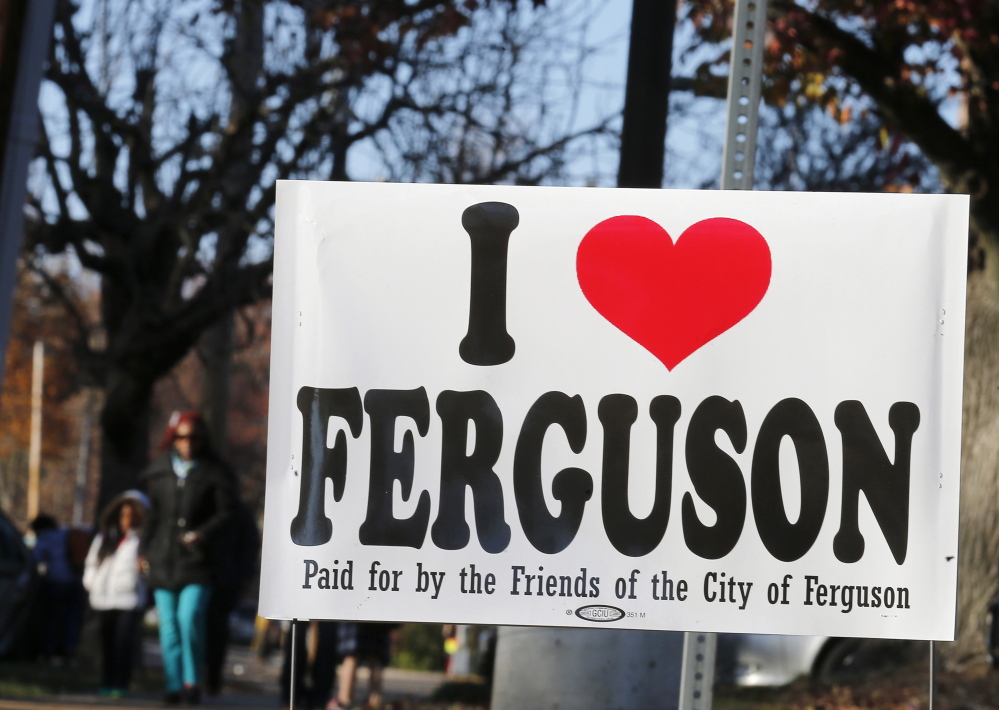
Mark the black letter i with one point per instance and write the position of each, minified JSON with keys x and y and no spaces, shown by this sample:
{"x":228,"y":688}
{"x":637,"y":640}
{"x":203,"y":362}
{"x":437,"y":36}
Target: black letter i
{"x":489,"y":225}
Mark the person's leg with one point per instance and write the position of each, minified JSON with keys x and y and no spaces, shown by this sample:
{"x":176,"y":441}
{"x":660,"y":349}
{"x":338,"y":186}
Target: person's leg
{"x":170,"y":645}
{"x":324,"y":664}
{"x":220,"y":607}
{"x":375,"y":691}
{"x":126,"y":633}
{"x":63,"y":635}
{"x":106,"y":620}
{"x":50,"y":622}
{"x":191,"y":611}
{"x":76,"y":602}
{"x":348,"y":673}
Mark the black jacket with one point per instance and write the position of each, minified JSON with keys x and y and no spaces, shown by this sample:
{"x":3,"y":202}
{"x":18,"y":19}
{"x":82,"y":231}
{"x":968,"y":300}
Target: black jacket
{"x":202,"y":502}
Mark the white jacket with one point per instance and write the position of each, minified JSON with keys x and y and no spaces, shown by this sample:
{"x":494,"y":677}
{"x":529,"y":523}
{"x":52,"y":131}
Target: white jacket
{"x":115,"y":583}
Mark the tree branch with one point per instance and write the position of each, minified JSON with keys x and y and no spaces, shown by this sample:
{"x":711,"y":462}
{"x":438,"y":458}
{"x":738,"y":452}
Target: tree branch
{"x":911,"y":111}
{"x":59,"y":291}
{"x":964,"y":168}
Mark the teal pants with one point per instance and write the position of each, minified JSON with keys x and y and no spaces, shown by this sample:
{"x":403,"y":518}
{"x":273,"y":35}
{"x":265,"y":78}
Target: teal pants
{"x":182,"y":633}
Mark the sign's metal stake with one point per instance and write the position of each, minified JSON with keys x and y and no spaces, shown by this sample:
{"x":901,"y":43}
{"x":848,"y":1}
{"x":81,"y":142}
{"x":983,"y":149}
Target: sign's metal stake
{"x":745,"y":82}
{"x":698,"y":673}
{"x":293,"y":669}
{"x":933,"y":675}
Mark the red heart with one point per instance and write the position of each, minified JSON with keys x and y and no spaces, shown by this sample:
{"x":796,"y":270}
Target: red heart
{"x":672,"y":299}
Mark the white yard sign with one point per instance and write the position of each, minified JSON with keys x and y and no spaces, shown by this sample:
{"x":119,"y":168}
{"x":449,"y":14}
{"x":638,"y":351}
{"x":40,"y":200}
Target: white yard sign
{"x":717,"y":411}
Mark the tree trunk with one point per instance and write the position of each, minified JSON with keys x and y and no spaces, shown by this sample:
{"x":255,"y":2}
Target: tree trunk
{"x":245,"y":59}
{"x":217,"y":375}
{"x":124,"y":435}
{"x":978,"y":559}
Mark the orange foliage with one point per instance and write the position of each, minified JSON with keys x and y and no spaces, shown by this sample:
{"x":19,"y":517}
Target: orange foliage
{"x":39,"y":316}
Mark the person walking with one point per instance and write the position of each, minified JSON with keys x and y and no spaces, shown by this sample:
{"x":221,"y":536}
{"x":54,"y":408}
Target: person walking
{"x":239,"y":543}
{"x":190,"y":502}
{"x":314,"y":671}
{"x":117,"y":590}
{"x":56,"y":613}
{"x":362,"y":644}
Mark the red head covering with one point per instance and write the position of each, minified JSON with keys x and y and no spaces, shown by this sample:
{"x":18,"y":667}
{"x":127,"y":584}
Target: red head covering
{"x":196,"y":421}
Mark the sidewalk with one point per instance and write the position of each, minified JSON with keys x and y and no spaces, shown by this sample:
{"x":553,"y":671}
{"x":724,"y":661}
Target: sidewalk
{"x":250,"y":682}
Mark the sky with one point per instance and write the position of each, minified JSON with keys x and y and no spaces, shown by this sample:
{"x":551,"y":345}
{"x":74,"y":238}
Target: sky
{"x":695,"y":127}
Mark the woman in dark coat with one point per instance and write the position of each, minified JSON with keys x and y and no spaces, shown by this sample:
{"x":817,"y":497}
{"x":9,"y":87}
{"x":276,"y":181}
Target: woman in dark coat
{"x":190,"y":501}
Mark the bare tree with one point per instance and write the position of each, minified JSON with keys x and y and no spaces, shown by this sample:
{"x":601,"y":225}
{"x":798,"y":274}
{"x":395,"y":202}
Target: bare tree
{"x":499,"y":103}
{"x":167,"y":125}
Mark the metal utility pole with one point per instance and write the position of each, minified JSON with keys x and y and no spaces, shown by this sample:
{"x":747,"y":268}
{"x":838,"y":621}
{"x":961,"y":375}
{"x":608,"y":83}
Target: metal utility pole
{"x":25,"y":31}
{"x":745,"y":81}
{"x":596,"y":670}
{"x":646,"y":96}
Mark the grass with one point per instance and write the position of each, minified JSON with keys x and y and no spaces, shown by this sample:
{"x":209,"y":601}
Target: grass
{"x":26,"y":679}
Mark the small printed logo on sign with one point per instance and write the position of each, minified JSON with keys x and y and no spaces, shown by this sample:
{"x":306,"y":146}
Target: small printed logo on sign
{"x":599,"y":613}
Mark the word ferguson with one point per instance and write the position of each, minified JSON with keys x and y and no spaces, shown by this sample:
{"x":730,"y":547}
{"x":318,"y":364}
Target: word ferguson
{"x":716,"y":478}
{"x":849,"y":594}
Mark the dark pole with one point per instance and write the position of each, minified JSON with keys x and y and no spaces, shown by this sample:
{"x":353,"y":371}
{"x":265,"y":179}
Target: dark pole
{"x":646,"y":98}
{"x":25,"y":31}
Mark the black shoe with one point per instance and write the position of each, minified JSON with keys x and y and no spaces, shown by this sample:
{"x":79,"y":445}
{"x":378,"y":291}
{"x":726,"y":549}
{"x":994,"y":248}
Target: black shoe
{"x":171,"y":698}
{"x":192,"y":696}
